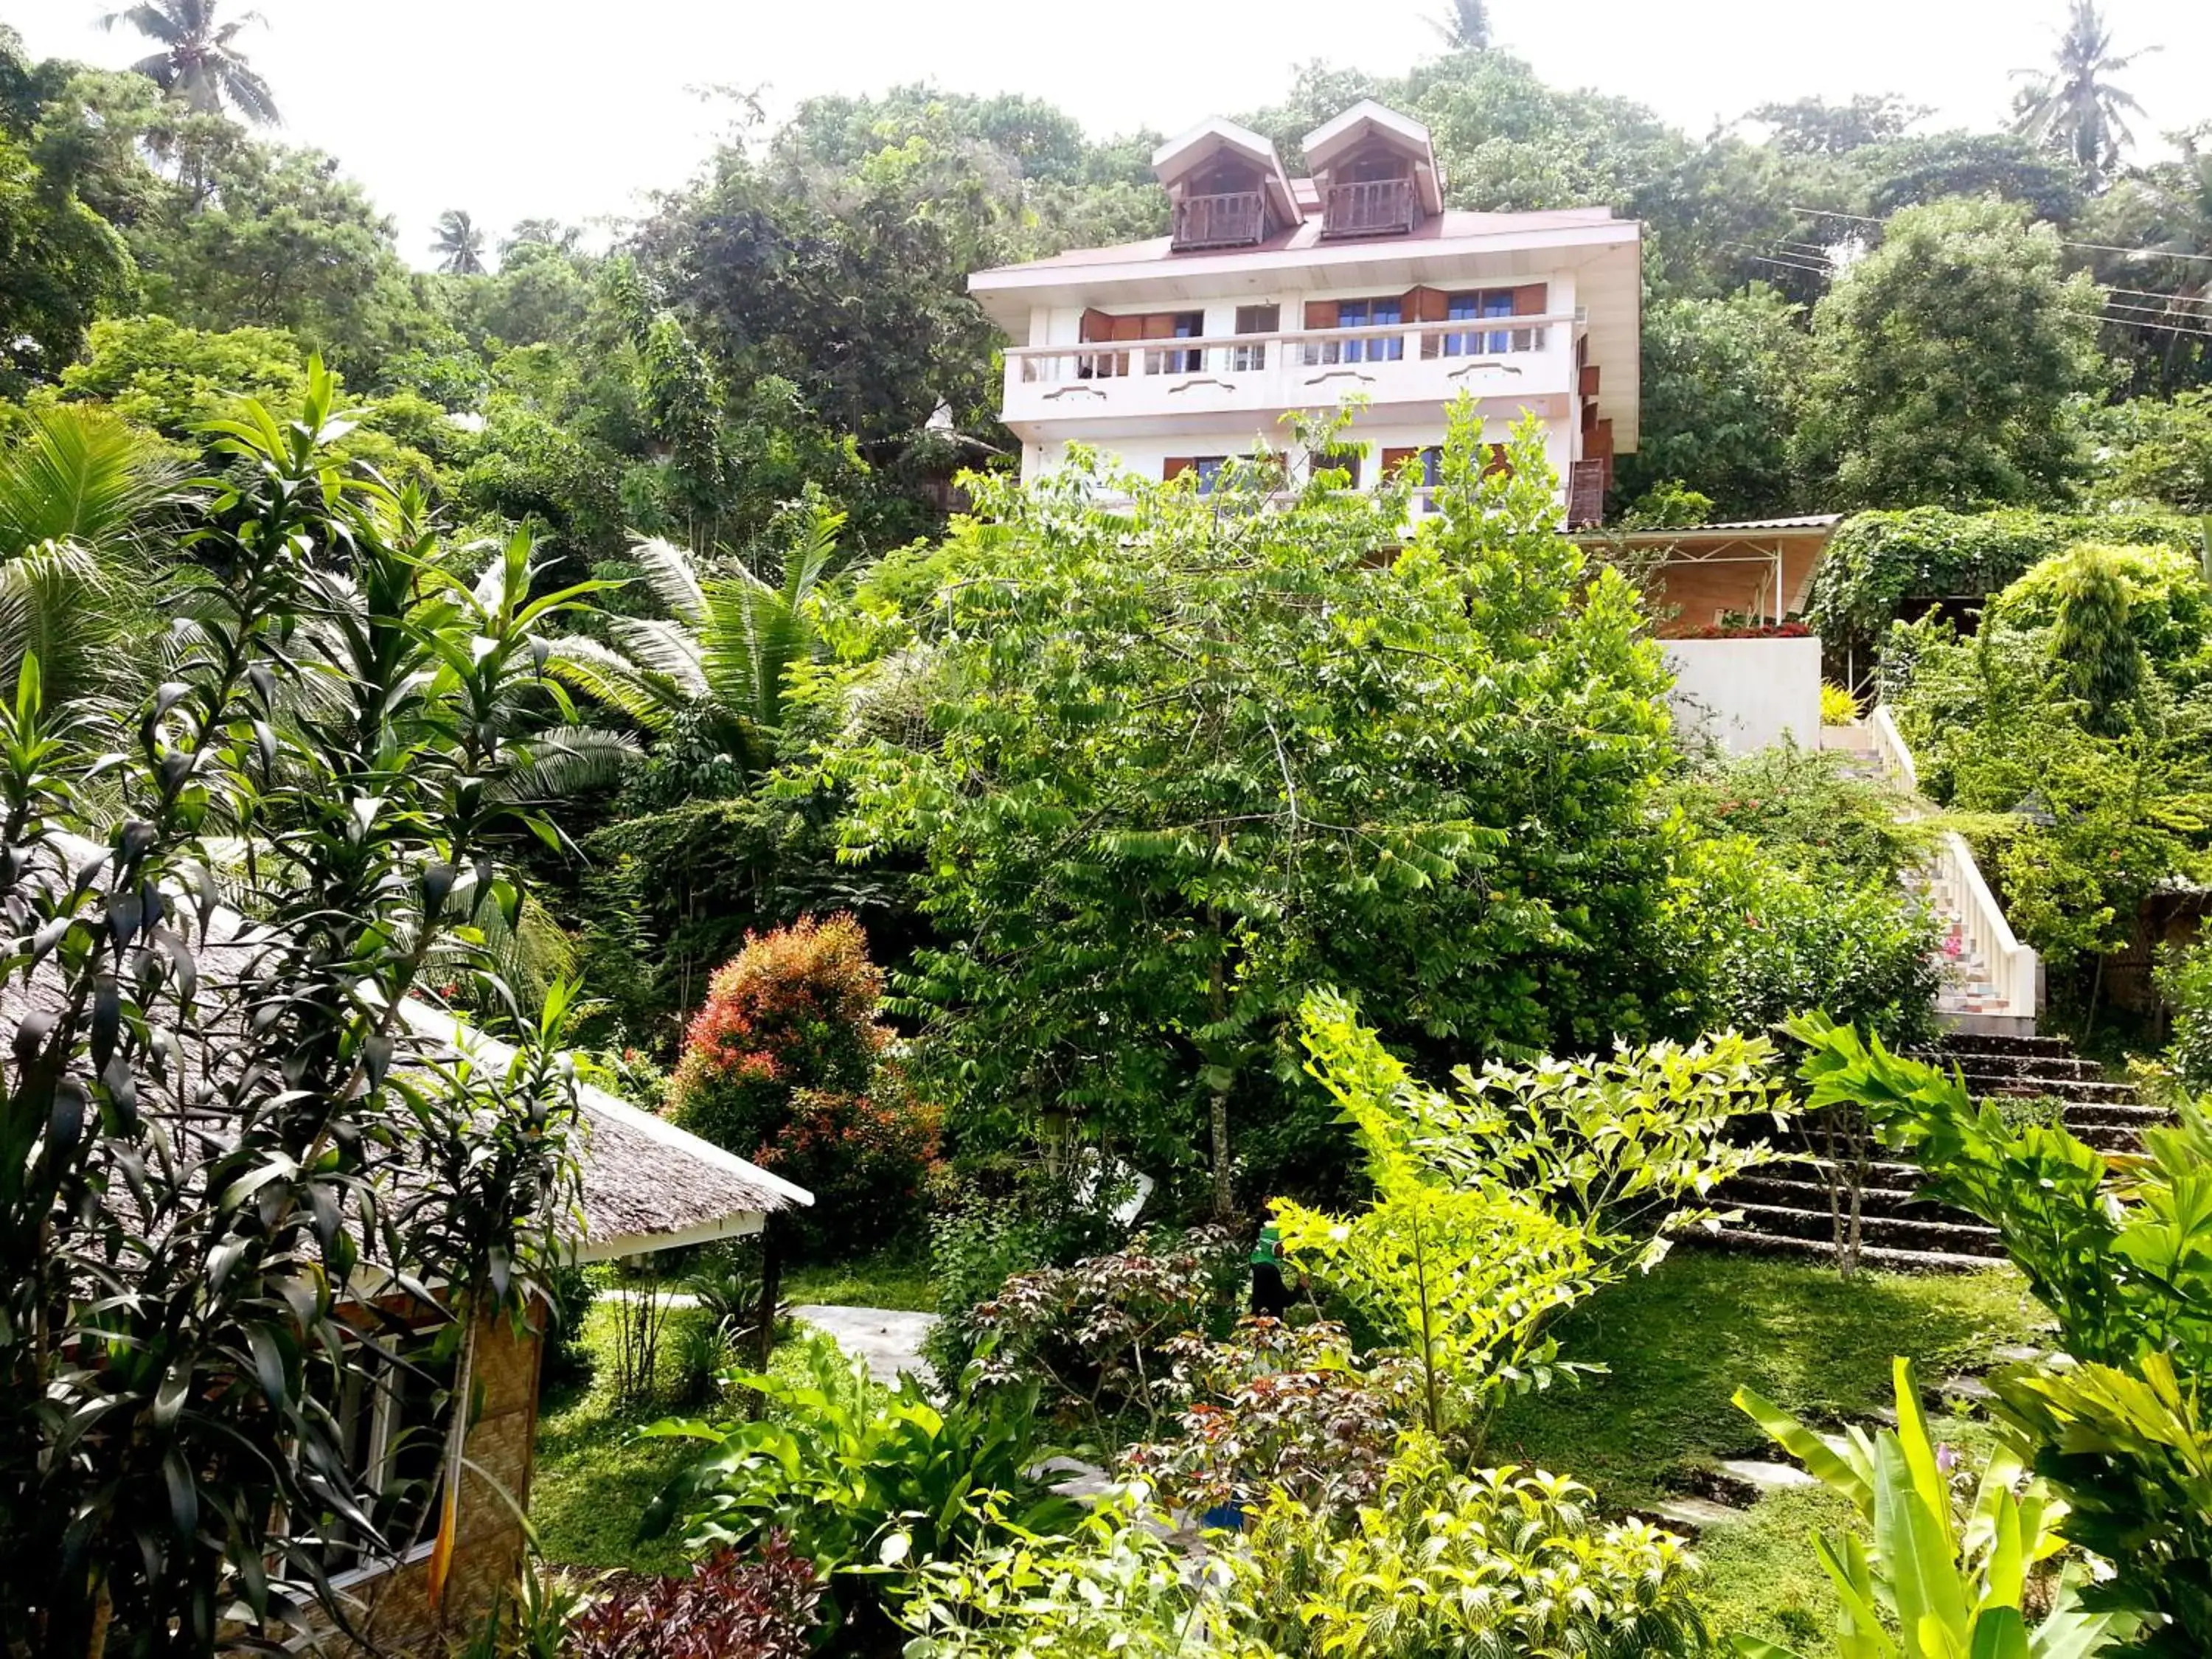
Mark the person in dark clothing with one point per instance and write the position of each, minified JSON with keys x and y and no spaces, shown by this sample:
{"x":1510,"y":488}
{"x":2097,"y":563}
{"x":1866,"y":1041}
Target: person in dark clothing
{"x":1271,"y":1297}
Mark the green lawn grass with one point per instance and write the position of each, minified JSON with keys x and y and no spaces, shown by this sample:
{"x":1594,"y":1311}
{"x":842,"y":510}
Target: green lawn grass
{"x":900,"y":1281}
{"x":1677,"y":1344}
{"x":594,"y":1477}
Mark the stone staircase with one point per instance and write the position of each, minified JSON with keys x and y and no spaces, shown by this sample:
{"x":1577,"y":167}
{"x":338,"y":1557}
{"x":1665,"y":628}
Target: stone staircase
{"x":1785,"y":1205}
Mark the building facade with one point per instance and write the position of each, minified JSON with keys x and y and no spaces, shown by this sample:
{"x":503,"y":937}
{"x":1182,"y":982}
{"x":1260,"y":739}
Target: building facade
{"x":1277,"y":294}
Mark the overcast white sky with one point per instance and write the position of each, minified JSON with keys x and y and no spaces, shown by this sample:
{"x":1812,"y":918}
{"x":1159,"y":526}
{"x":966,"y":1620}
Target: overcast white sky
{"x":514,"y":108}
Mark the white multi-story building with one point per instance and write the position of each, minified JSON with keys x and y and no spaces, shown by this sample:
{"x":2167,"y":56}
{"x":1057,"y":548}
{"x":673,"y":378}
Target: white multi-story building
{"x":1278,"y":293}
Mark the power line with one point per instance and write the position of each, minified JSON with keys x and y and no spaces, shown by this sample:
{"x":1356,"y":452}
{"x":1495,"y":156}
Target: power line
{"x":2154,"y":293}
{"x":2094,"y":247}
{"x":2137,"y":322}
{"x":1765,"y":256}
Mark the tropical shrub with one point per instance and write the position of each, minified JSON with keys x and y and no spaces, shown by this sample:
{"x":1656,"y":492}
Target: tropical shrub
{"x":1498,"y":1561}
{"x":843,"y":1468}
{"x":1108,"y":1587}
{"x":2123,"y":1258}
{"x":1880,"y":564}
{"x":1497,"y":1207}
{"x":1277,"y":1408}
{"x":1839,"y":706}
{"x":1096,"y":1336}
{"x":1460,"y":1281}
{"x":1955,"y":1583}
{"x":214,"y":1126}
{"x":1183,"y":761}
{"x":1782,"y":940}
{"x":2168,"y":604}
{"x":865,"y":1158}
{"x":795,"y":1009}
{"x":2184,"y":979}
{"x":1810,"y":809}
{"x":727,"y":1607}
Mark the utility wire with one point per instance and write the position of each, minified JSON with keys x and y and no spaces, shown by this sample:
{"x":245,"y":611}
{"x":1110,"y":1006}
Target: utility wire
{"x":2094,"y":247}
{"x":2138,"y":322}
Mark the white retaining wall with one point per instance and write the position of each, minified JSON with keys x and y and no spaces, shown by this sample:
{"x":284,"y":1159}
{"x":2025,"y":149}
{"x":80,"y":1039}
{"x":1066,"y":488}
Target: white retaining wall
{"x":1747,"y":694}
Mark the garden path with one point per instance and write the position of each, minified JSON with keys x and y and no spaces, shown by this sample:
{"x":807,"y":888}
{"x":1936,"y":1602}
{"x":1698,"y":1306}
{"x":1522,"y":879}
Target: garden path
{"x":888,"y":1339}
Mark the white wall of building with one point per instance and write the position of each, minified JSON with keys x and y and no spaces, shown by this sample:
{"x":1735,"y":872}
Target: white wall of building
{"x":1147,"y":457}
{"x":1747,"y":693}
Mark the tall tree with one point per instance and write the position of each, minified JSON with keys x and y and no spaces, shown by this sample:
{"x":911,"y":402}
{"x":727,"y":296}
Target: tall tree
{"x":199,"y":61}
{"x":1169,"y":769}
{"x":458,"y":244}
{"x":1466,"y":25}
{"x":2074,"y":107}
{"x":1946,"y":364}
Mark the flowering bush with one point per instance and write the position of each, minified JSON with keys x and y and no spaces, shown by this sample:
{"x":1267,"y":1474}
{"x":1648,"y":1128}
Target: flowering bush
{"x":795,"y":1009}
{"x":864,"y":1157}
{"x":729,"y":1608}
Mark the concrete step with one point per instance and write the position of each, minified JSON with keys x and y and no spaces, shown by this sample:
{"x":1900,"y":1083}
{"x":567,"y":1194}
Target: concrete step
{"x":1982,"y":1063}
{"x":1984,"y":1084}
{"x":1822,"y":1250}
{"x":1811,"y":1196}
{"x":2116,"y":1114}
{"x":1888,"y":1231}
{"x":1962,"y":1043}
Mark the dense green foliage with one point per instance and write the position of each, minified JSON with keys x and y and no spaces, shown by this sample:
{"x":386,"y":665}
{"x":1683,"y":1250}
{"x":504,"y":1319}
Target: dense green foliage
{"x":1179,"y":764}
{"x":2122,"y":1262}
{"x":213,"y":1124}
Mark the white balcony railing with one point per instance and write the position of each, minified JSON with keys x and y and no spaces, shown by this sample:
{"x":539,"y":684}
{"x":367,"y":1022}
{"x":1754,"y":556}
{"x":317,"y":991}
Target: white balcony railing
{"x":1530,"y":358}
{"x":2014,"y":968}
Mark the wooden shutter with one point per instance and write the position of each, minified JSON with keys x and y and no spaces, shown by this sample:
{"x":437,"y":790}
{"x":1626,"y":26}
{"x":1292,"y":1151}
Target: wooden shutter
{"x":1097,"y":326}
{"x":1589,"y":379}
{"x":1175,"y":466}
{"x":1321,"y":313}
{"x":1426,"y":305}
{"x":1499,"y":461}
{"x":1131,"y":327}
{"x":1395,"y":458}
{"x":1531,"y":299}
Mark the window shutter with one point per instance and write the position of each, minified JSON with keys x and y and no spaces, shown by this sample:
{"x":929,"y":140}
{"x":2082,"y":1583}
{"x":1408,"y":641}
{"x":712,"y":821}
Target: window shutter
{"x":1395,"y":458}
{"x":1321,"y":313}
{"x":1097,"y":326}
{"x":1424,"y":305}
{"x":1500,"y":461}
{"x":1531,"y":299}
{"x":1127,"y":328}
{"x":1176,"y":466}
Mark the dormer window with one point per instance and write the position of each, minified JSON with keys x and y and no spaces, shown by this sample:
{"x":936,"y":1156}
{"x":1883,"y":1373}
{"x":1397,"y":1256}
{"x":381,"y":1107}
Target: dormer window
{"x":1228,"y":188}
{"x":1375,"y":172}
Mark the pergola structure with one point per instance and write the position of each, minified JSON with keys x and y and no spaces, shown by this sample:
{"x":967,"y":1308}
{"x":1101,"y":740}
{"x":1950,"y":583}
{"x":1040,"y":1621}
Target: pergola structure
{"x":1699,"y":574}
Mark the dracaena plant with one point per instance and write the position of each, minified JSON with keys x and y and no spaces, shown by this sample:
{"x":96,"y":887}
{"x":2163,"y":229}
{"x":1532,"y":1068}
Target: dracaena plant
{"x":1943,"y":1573}
{"x":218,"y":1134}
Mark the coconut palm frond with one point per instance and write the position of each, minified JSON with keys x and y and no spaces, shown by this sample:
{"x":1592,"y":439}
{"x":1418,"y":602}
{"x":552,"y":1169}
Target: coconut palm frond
{"x":566,"y":760}
{"x":669,"y":573}
{"x":199,"y":60}
{"x":77,"y":474}
{"x":608,"y":677}
{"x":662,"y":647}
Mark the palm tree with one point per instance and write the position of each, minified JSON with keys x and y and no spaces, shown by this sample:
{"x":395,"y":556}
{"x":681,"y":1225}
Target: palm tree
{"x":1466,"y":25}
{"x":459,"y":243}
{"x":721,"y":660}
{"x":2074,"y":108}
{"x":198,"y":61}
{"x":542,"y":232}
{"x":79,"y":491}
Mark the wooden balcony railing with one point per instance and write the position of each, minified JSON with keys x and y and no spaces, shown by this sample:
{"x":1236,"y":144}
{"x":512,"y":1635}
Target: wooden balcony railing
{"x":1233,"y":220}
{"x":1370,"y":206}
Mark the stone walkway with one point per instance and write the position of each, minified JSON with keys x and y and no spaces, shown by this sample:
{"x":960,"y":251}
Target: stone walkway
{"x":888,"y":1339}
